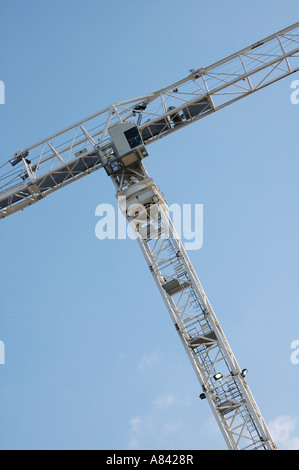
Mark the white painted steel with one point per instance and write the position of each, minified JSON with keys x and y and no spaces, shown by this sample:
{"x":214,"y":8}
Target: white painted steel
{"x":158,"y":114}
{"x":86,"y":146}
{"x":230,"y":398}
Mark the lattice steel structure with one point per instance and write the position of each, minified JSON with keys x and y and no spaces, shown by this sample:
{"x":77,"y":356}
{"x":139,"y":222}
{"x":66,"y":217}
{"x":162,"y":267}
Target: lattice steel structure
{"x":78,"y":150}
{"x":223,"y":382}
{"x":116,"y":139}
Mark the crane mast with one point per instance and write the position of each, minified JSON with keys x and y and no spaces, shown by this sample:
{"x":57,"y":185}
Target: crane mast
{"x":116,"y":139}
{"x":223,"y":382}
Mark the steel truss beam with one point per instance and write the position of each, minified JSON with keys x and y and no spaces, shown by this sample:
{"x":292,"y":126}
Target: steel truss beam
{"x":77,"y":150}
{"x":222,"y":381}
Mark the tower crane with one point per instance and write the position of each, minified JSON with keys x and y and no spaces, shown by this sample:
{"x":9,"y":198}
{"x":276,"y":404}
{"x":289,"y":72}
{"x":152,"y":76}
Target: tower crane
{"x":117,"y":139}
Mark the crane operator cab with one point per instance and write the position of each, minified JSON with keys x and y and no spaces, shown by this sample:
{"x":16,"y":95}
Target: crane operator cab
{"x":127,"y":148}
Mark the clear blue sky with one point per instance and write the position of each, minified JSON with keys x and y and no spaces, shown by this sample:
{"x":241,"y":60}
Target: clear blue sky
{"x":92,"y":358}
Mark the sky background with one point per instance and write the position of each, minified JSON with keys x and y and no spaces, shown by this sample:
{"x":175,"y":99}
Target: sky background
{"x":92,"y":360}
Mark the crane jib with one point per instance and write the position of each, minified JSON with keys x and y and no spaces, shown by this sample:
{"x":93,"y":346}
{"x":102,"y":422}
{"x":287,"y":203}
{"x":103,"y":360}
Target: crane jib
{"x":178,"y":117}
{"x":72,"y":171}
{"x":79,"y":149}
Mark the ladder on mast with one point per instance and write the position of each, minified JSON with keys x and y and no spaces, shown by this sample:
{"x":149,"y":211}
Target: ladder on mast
{"x":223,"y":382}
